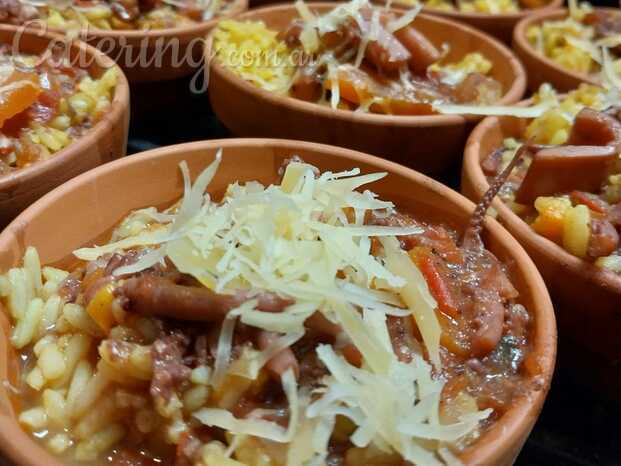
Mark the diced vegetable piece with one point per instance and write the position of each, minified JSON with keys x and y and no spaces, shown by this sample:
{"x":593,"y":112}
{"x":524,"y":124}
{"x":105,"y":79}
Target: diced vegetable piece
{"x":18,"y":93}
{"x":437,"y":285}
{"x":351,"y":87}
{"x":550,"y":221}
{"x":576,"y":230}
{"x":100,"y":308}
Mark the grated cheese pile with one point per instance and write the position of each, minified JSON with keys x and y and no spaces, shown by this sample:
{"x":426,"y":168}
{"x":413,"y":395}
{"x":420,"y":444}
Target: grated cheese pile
{"x":255,"y":53}
{"x":306,"y":239}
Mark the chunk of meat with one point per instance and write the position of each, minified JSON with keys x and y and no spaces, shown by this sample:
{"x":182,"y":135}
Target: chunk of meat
{"x":488,"y":321}
{"x":491,"y":164}
{"x":593,"y":128}
{"x":159,"y":296}
{"x":605,"y":23}
{"x":126,"y":10}
{"x":318,"y":323}
{"x":291,"y":35}
{"x":307,"y":85}
{"x":604,"y":239}
{"x":422,"y":52}
{"x":169,"y":372}
{"x":404,"y":342}
{"x":614,"y":215}
{"x":477,"y":88}
{"x":282,"y":361}
{"x":387,"y":53}
{"x":565,"y":168}
{"x":69,"y":288}
{"x":16,"y":11}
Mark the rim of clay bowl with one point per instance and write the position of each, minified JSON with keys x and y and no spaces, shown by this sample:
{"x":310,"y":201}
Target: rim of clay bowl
{"x":461,"y":15}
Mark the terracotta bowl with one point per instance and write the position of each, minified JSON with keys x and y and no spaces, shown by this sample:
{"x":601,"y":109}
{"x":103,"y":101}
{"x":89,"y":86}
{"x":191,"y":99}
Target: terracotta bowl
{"x":158,"y":54}
{"x":428,"y":143}
{"x":498,"y":25}
{"x":587,"y":299}
{"x":106,"y":141}
{"x":89,"y":205}
{"x":539,"y":68}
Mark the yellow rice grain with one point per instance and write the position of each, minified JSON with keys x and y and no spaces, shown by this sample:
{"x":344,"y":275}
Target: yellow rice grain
{"x":34,"y":418}
{"x":51,"y":362}
{"x":91,"y":448}
{"x":27,"y":327}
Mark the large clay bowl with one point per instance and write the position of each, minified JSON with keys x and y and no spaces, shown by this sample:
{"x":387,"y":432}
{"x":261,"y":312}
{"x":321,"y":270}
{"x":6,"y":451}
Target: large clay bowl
{"x":587,"y":299}
{"x":499,"y":25}
{"x":89,"y":205}
{"x":539,"y":68}
{"x":157,"y":54}
{"x":106,"y":141}
{"x":427,"y":143}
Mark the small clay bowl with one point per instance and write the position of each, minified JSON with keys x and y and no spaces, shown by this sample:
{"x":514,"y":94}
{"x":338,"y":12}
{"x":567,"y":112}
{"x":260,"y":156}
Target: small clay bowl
{"x":86,"y":207}
{"x":157,"y":54}
{"x":541,"y":69}
{"x":429,"y":143}
{"x":499,"y":25}
{"x":106,"y":141}
{"x":587,"y":299}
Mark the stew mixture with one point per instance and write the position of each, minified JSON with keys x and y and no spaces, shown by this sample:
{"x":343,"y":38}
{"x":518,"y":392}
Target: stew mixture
{"x":45,"y":105}
{"x":356,"y":57}
{"x":567,"y":183}
{"x":260,"y":330}
{"x":113,"y":14}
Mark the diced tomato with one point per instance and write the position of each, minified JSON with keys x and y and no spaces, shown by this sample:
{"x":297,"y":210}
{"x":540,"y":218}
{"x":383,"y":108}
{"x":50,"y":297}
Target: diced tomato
{"x":18,"y":93}
{"x":593,"y":202}
{"x":438,"y":287}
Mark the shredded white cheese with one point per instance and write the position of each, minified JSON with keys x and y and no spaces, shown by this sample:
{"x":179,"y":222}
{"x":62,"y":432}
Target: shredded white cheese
{"x":306,"y":239}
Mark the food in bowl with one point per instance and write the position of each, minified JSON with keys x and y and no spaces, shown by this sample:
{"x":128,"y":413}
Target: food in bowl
{"x":46,"y":103}
{"x":356,"y":57}
{"x":266,"y":325}
{"x":114,"y":14}
{"x":478,"y":6}
{"x":575,"y":43}
{"x":567,"y":185}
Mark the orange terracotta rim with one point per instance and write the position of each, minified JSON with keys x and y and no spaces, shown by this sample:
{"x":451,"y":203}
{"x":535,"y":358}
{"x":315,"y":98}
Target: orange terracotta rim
{"x":511,"y":95}
{"x":521,"y":42}
{"x":493,"y":444}
{"x":473,"y":172}
{"x":514,"y":16}
{"x":118,"y":106}
{"x":189,"y":31}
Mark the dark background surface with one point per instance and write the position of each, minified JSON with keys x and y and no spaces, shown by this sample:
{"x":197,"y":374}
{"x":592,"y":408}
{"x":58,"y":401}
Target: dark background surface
{"x":577,"y":427}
